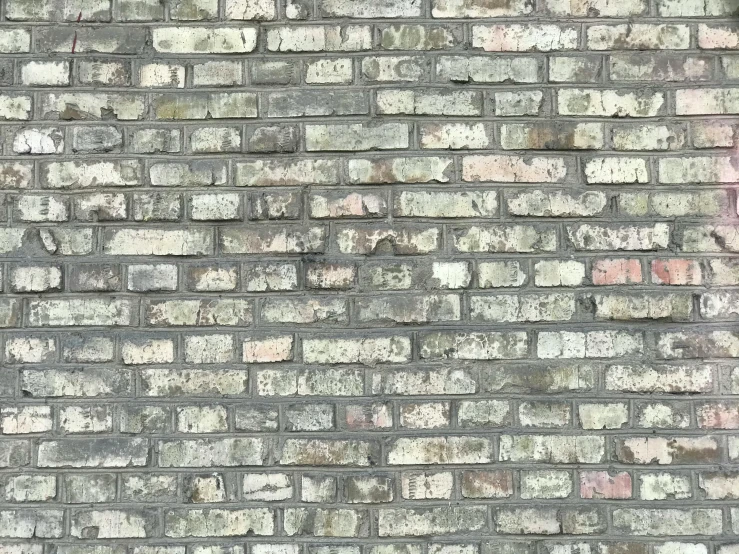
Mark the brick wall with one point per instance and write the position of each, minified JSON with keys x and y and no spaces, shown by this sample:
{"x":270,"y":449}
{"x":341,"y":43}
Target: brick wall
{"x":369,"y":277}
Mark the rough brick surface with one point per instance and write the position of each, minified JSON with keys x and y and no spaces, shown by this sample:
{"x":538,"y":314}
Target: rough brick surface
{"x":369,"y":277}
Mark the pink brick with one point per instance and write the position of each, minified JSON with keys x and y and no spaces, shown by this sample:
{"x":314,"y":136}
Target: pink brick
{"x":600,"y":484}
{"x":676,"y":272}
{"x":718,"y":416}
{"x":369,"y":416}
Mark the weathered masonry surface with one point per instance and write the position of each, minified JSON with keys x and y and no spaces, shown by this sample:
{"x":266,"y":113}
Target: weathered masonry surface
{"x":369,"y":277}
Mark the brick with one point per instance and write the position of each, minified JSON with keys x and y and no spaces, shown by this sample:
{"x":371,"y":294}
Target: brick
{"x":446,"y":204}
{"x":402,"y":240}
{"x":250,"y":10}
{"x":592,"y":344}
{"x":513,"y":169}
{"x":603,"y":416}
{"x":709,"y":238}
{"x":318,"y":489}
{"x":147,"y":352}
{"x":270,"y":277}
{"x":428,"y":102}
{"x":35,"y":278}
{"x":328,"y":452}
{"x":45,"y":74}
{"x":518,"y":103}
{"x":284,"y":240}
{"x":524,"y":38}
{"x":671,"y":307}
{"x":43,"y":313}
{"x":278,"y":138}
{"x":661,"y":378}
{"x":594,"y":237}
{"x":556,"y":204}
{"x":505,"y":238}
{"x":316,"y":102}
{"x":357,"y":137}
{"x":582,"y":136}
{"x":527,"y":521}
{"x":143,"y":242}
{"x":424,"y":382}
{"x":574,"y":69}
{"x":364,"y":351}
{"x":638,"y":37}
{"x":15,"y":41}
{"x":191,"y":40}
{"x":616,"y":272}
{"x":194,"y":382}
{"x":15,"y":175}
{"x":103,"y":452}
{"x":491,"y":413}
{"x":664,"y":451}
{"x":552,"y":449}
{"x":30,"y":488}
{"x":479,"y":8}
{"x":659,"y":522}
{"x":616,"y":170}
{"x":609,"y":103}
{"x":93,"y":489}
{"x":548,"y":307}
{"x":15,"y":453}
{"x":429,"y":415}
{"x":317,"y":39}
{"x":600,"y":484}
{"x":412,"y":309}
{"x":111,"y":40}
{"x":454,"y":136}
{"x":663,"y":415}
{"x":208,"y":452}
{"x":420,"y":486}
{"x":719,"y":486}
{"x":673,"y":8}
{"x":29,"y":524}
{"x":24,"y":420}
{"x":487,"y":484}
{"x":99,"y":10}
{"x":473,"y":346}
{"x":538,"y":379}
{"x":337,"y":71}
{"x":209,"y":349}
{"x":663,"y":486}
{"x":546,"y":484}
{"x":557,"y":273}
{"x":219,"y":523}
{"x":277,"y":173}
{"x":481,"y":69}
{"x":595,"y":8}
{"x":418,"y":37}
{"x":500,"y":274}
{"x":723,"y":272}
{"x":648,"y":137}
{"x":659,"y":67}
{"x":405,"y":170}
{"x":713,"y":344}
{"x":385,"y":8}
{"x":405,"y":522}
{"x":92,"y":382}
{"x":543,"y":414}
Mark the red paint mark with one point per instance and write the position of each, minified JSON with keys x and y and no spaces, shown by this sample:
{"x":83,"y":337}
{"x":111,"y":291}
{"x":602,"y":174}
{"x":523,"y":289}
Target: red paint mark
{"x":74,"y":41}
